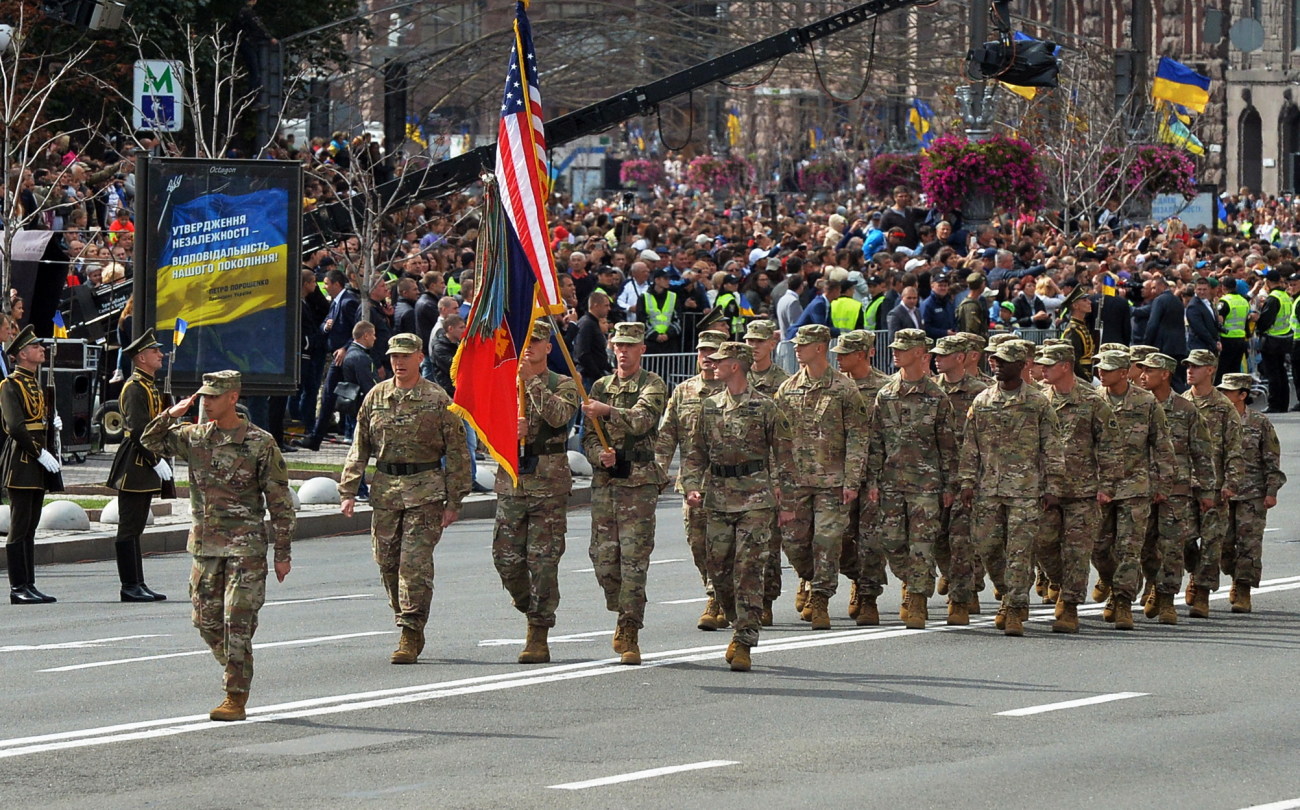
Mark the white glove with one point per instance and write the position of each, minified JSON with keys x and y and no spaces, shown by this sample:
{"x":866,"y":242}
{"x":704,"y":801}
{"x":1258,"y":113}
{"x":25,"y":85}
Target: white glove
{"x":58,"y":422}
{"x":49,"y":462}
{"x":164,"y":471}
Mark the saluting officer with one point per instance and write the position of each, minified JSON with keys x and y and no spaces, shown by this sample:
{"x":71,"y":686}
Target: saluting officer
{"x":137,"y":474}
{"x":25,"y":464}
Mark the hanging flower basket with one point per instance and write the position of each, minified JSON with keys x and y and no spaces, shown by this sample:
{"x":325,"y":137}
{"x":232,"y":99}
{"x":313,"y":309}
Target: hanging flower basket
{"x":708,"y":173}
{"x":641,"y":173}
{"x":1003,"y":168}
{"x":893,"y":169}
{"x":1150,"y":170}
{"x":823,"y":174}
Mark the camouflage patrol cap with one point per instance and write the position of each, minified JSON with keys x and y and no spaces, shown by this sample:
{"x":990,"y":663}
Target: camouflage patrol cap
{"x":1237,"y":382}
{"x":1116,"y":347}
{"x":997,"y":340}
{"x":145,"y":341}
{"x":711,"y":339}
{"x":628,"y":333}
{"x":1140,"y":352}
{"x":25,"y":338}
{"x":1113,"y":360}
{"x":1013,"y":351}
{"x":541,"y":330}
{"x":1055,"y":342}
{"x":405,"y":343}
{"x":1202,"y":357}
{"x":905,"y":339}
{"x":734,"y":350}
{"x":220,"y":382}
{"x":1157,"y":360}
{"x":974,"y":342}
{"x":859,"y":340}
{"x":812,"y":333}
{"x":950,"y":344}
{"x":761,"y":329}
{"x":1056,"y":353}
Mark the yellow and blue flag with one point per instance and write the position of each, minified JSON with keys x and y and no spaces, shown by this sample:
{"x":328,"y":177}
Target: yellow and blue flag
{"x":179,"y":334}
{"x":921,"y":119}
{"x":1171,"y":128}
{"x":60,"y":328}
{"x":1109,"y":284}
{"x":733,"y":126}
{"x":1180,"y":84}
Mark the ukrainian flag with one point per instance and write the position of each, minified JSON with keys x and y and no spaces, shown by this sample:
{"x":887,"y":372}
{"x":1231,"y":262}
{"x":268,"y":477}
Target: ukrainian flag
{"x":179,"y":334}
{"x":1171,"y":127}
{"x":921,"y":118}
{"x":60,"y":328}
{"x":1180,"y":84}
{"x":1109,"y":284}
{"x":733,"y":126}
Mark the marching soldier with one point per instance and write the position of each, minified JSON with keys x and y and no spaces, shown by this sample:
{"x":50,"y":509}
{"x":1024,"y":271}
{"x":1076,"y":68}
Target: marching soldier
{"x":137,"y":474}
{"x":626,"y":483}
{"x":25,"y":463}
{"x":739,"y":455}
{"x":421,"y":477}
{"x":237,"y":475}
{"x":765,"y":376}
{"x":675,"y":430}
{"x":1078,"y":306}
{"x":829,"y":420}
{"x":531,"y":518}
{"x":974,"y":357}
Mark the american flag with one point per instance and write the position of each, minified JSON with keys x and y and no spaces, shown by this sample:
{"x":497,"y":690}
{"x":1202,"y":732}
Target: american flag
{"x":521,"y":171}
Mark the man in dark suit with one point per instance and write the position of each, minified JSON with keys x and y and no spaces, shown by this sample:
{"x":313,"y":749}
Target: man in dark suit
{"x":1166,"y":328}
{"x":342,"y":316}
{"x":1202,"y":321}
{"x":907,"y":315}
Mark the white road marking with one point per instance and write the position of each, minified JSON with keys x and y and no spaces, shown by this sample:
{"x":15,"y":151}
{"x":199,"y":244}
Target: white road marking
{"x":593,"y":570}
{"x":76,"y":645}
{"x":294,"y":643}
{"x":685,"y":601}
{"x":339,"y":704}
{"x":1071,"y":704}
{"x":502,"y":642}
{"x":649,"y":774}
{"x":318,"y":599}
{"x":1289,"y":804}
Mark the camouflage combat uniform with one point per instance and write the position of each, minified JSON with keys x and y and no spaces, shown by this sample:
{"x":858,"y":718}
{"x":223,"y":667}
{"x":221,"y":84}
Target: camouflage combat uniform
{"x":1225,"y":428}
{"x":954,"y":552}
{"x":1242,"y":558}
{"x":532,"y":518}
{"x":767,"y":382}
{"x":1173,"y":524}
{"x":862,"y":559}
{"x":236,"y":477}
{"x":421,"y":470}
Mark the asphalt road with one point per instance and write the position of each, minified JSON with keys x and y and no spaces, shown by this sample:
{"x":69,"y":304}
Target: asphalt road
{"x":104,"y":705}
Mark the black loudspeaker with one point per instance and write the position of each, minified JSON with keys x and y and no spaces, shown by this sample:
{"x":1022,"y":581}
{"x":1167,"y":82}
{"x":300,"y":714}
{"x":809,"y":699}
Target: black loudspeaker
{"x":613,"y":166}
{"x":74,"y":393}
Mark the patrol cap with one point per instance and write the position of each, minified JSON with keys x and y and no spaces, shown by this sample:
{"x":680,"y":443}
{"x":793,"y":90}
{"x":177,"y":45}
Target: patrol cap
{"x":1013,"y":351}
{"x":974,"y":342}
{"x":997,"y":340}
{"x":24,"y":339}
{"x":145,"y":341}
{"x":975,"y":278}
{"x":1113,"y":360}
{"x":628,"y":333}
{"x":711,"y":339}
{"x":1055,"y":342}
{"x":1159,"y":361}
{"x":950,"y":344}
{"x":761,"y":329}
{"x":1118,"y":347}
{"x":1136,"y":353}
{"x":812,"y":333}
{"x":905,"y":339}
{"x":1202,"y":357}
{"x":405,"y":343}
{"x":1056,"y":353}
{"x":220,"y":382}
{"x":541,"y":330}
{"x":859,"y":340}
{"x":734,"y":350}
{"x":1237,"y":382}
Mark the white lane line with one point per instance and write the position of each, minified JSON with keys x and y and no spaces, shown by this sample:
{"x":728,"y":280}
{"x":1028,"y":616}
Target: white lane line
{"x":76,"y":645}
{"x":302,"y":642}
{"x":685,"y":601}
{"x":649,"y":774}
{"x":501,"y":642}
{"x":318,"y":599}
{"x":593,"y":570}
{"x":1289,"y":804}
{"x":1071,"y":704}
{"x":339,"y":704}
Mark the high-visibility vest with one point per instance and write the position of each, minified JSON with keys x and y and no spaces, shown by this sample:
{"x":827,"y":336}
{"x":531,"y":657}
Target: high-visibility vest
{"x":845,"y":311}
{"x":872,"y":319}
{"x":738,"y":322}
{"x":453,"y":286}
{"x":660,"y":319}
{"x":1295,"y":319}
{"x":1282,"y":325}
{"x":1234,"y":325}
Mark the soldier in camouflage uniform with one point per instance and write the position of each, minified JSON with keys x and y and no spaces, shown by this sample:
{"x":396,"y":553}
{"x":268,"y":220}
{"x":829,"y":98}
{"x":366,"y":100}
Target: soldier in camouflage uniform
{"x":532,"y":514}
{"x":1261,"y":457}
{"x":953,"y":551}
{"x":829,"y":420}
{"x":137,"y":474}
{"x":862,"y":557}
{"x":1172,"y":524}
{"x":1136,"y":354}
{"x":26,"y":464}
{"x":765,"y":376}
{"x":1221,"y":419}
{"x":421,"y":477}
{"x":237,"y":475}
{"x":975,"y":356}
{"x":1090,"y":443}
{"x":1144,"y":472}
{"x":1011,"y":470}
{"x":739,"y":453}
{"x":626,"y":483}
{"x":675,"y":431}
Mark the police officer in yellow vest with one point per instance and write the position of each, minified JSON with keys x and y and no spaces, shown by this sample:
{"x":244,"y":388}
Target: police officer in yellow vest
{"x":874,"y":311}
{"x":735,"y":309}
{"x":1275,"y":325}
{"x":658,"y":311}
{"x":1293,"y":290}
{"x":847,"y":313}
{"x":1234,"y":314}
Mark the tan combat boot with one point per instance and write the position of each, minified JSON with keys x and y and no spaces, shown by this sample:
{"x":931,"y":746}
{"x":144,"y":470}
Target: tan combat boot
{"x":620,"y":639}
{"x":1101,"y":591}
{"x":1189,"y":595}
{"x":974,"y":608}
{"x":958,"y":616}
{"x":740,"y":661}
{"x":1060,"y":608}
{"x":767,"y":620}
{"x":408,"y":648}
{"x":903,"y":604}
{"x":731,"y":650}
{"x":918,"y":611}
{"x":709,"y":618}
{"x":1040,"y":583}
{"x":1240,"y":598}
{"x":632,"y":652}
{"x":1067,"y":618}
{"x":868,"y":612}
{"x":801,"y":595}
{"x":1200,"y":608}
{"x":941,"y":587}
{"x":1000,"y":620}
{"x":1123,"y":614}
{"x":1053,"y":594}
{"x":536,"y":650}
{"x":1165,"y":608}
{"x":1150,"y":608}
{"x":855,"y":604}
{"x":232,"y":708}
{"x":1013,"y":625}
{"x":820,"y":616}
{"x":1108,"y":612}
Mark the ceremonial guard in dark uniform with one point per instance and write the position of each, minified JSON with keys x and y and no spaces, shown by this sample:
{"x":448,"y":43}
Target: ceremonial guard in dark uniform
{"x":137,"y":474}
{"x":25,"y":464}
{"x":1077,"y":306}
